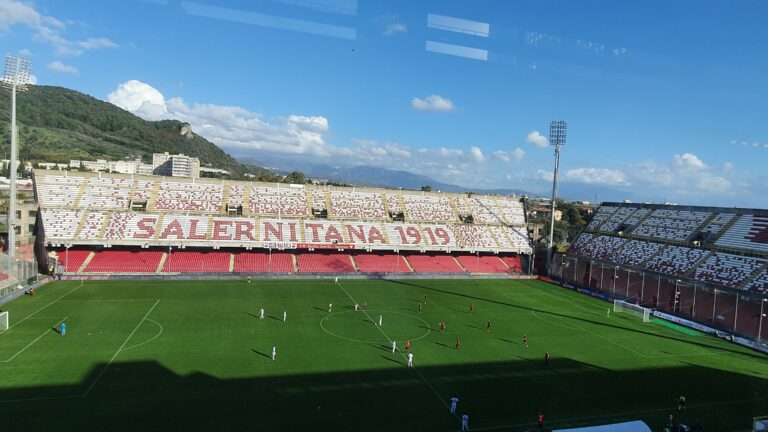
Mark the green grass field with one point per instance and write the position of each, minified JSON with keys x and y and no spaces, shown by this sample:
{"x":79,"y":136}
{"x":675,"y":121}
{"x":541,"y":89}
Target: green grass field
{"x":193,"y":355}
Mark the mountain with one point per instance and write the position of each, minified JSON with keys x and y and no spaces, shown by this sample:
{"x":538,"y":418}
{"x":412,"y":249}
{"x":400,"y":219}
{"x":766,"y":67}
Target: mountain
{"x":369,"y":176}
{"x":58,"y":124}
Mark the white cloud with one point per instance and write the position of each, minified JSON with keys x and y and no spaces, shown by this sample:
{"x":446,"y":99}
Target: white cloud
{"x":602,"y":176}
{"x":61,"y":67}
{"x":395,"y":28}
{"x":25,"y":52}
{"x":518,"y":154}
{"x":537,"y":139}
{"x":47,"y":29}
{"x":689,"y":161}
{"x":141,"y":99}
{"x":477,"y":154}
{"x":502,"y":156}
{"x":714,"y":184}
{"x":433,"y":103}
{"x":727,"y":166}
{"x":33,"y":79}
{"x":544,"y":175}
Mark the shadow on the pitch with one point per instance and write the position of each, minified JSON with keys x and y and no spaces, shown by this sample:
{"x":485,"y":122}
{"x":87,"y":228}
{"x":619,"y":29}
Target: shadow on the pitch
{"x":265,"y":355}
{"x":382,"y":347}
{"x":389,"y":358}
{"x":474,"y":326}
{"x":252,"y":315}
{"x":320,"y":309}
{"x":441,"y":344}
{"x":508,"y":341}
{"x":274,"y":318}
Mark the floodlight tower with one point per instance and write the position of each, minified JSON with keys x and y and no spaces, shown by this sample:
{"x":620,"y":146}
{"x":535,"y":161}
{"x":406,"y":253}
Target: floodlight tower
{"x":15,"y":78}
{"x":557,"y":131}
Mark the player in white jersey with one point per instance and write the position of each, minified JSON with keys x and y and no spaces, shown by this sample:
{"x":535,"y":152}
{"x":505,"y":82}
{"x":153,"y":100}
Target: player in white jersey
{"x":410,"y":359}
{"x":380,"y":320}
{"x":465,"y":422}
{"x":285,"y":315}
{"x":394,"y":346}
{"x":274,"y":352}
{"x":261,"y":313}
{"x":454,"y":402}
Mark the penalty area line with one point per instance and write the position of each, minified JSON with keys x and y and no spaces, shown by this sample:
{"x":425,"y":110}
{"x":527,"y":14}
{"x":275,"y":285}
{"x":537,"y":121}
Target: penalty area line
{"x":33,"y":342}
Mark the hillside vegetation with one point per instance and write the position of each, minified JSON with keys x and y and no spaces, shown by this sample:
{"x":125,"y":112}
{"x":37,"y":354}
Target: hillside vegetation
{"x":58,"y":124}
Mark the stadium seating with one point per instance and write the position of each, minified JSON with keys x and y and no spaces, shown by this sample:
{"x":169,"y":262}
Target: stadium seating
{"x":72,"y":261}
{"x":309,"y":262}
{"x":357,"y":205}
{"x":107,"y":193}
{"x":512,"y":211}
{"x":380,"y":263}
{"x":195,"y":197}
{"x":278,"y":201}
{"x":760,"y":284}
{"x":433,"y":263}
{"x":600,"y":247}
{"x":670,"y":224}
{"x":728,"y":270}
{"x":197,"y":262}
{"x":483,"y":263}
{"x":91,"y":229}
{"x":675,"y":260}
{"x":59,"y":190}
{"x":749,"y":232}
{"x":616,"y":219}
{"x":61,"y":223}
{"x":515,"y":263}
{"x":718,"y":222}
{"x":123,"y":261}
{"x":602,"y":214}
{"x":428,"y":208}
{"x":263,"y":262}
{"x":475,"y":236}
{"x":635,"y":252}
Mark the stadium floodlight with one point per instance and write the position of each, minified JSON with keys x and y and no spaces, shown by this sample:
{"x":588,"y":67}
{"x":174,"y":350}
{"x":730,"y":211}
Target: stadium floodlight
{"x":15,"y":78}
{"x":557,"y":132}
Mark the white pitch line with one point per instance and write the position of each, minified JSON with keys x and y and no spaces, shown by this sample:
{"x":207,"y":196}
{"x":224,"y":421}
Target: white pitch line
{"x":389,"y":341}
{"x":150,"y":339}
{"x":32,"y":343}
{"x":104,"y":369}
{"x":28,"y":316}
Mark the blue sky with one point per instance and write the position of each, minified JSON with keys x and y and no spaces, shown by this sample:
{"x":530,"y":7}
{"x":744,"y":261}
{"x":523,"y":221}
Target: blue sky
{"x":664,"y":100}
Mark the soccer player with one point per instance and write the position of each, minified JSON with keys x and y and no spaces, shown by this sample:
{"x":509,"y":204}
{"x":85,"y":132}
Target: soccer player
{"x":394,"y":346}
{"x":330,"y":307}
{"x":681,"y":403}
{"x":407,"y":344}
{"x":274,"y":352}
{"x":356,"y":306}
{"x":471,"y":308}
{"x":464,"y":422}
{"x":336,"y":280}
{"x":454,"y":401}
{"x":458,"y":344}
{"x":546,"y":358}
{"x":261,"y":313}
{"x":381,"y":319}
{"x":425,"y":299}
{"x":410,"y":359}
{"x":608,"y":313}
{"x":285,"y":315}
{"x":541,"y":421}
{"x":420,"y":307}
{"x":442,"y":326}
{"x":365,"y":304}
{"x":63,"y":328}
{"x":488,"y":326}
{"x":525,"y":341}
{"x":249,"y":278}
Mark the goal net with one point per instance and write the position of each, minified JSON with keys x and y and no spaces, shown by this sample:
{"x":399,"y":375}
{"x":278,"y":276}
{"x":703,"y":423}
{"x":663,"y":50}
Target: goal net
{"x":3,"y":321}
{"x":633,"y":309}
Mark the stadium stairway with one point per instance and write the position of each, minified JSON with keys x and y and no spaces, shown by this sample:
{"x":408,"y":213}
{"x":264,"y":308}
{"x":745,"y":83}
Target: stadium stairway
{"x":726,"y":227}
{"x":354,"y":264}
{"x":162,"y":263}
{"x":87,"y":261}
{"x":295,"y":262}
{"x":696,"y":265}
{"x":458,"y":263}
{"x":231,"y":262}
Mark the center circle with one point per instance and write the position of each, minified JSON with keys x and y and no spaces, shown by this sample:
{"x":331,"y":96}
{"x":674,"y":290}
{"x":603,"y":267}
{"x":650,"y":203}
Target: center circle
{"x":359,"y":326}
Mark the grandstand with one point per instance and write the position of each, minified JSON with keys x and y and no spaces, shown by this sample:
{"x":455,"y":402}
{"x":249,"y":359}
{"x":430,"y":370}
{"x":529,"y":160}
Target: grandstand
{"x":707,"y":264}
{"x":114,"y":223}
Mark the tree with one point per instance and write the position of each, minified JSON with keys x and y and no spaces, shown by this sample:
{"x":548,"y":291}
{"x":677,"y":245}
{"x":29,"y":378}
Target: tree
{"x":295,"y":177}
{"x":426,"y":188}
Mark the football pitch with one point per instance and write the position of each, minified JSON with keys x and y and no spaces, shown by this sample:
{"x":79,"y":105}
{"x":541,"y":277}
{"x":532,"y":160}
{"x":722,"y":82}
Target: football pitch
{"x":194,"y":355}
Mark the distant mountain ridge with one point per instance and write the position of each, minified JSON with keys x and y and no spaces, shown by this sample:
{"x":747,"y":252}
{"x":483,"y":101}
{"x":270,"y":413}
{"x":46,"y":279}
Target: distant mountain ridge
{"x":363,"y":175}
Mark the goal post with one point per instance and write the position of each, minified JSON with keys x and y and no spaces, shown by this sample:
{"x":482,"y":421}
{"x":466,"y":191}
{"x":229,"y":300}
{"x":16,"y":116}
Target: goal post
{"x":4,"y":321}
{"x":633,"y":309}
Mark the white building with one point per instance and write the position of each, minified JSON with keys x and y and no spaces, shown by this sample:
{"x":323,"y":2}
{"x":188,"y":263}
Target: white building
{"x":175,"y":165}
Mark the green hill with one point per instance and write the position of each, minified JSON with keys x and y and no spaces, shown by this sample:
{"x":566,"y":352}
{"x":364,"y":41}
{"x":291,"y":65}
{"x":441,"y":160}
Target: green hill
{"x":58,"y":124}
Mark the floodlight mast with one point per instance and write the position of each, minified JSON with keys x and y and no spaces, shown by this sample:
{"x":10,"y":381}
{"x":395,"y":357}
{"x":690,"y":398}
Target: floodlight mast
{"x":557,"y":132}
{"x":16,"y":78}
